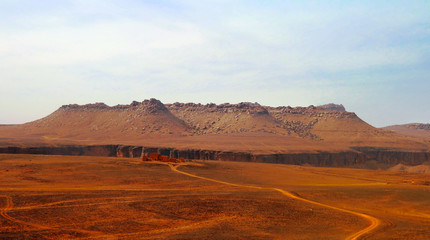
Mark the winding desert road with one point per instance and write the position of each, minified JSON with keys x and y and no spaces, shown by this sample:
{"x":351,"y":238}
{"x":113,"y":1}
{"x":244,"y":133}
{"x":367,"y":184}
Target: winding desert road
{"x":374,"y":222}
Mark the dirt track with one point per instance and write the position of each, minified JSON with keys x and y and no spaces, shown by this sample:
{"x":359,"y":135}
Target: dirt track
{"x":374,"y":222}
{"x":8,"y":207}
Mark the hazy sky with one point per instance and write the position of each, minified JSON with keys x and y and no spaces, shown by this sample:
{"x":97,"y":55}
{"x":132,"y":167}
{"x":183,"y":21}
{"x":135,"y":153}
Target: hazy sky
{"x":371,"y":56}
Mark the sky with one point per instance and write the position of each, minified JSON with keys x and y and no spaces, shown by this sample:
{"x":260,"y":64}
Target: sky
{"x":371,"y":56}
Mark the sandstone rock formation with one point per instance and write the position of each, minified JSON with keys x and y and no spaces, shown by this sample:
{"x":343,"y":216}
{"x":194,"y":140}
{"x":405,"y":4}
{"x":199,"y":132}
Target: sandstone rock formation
{"x":332,"y":106}
{"x":228,"y":118}
{"x":245,"y":126}
{"x":149,"y":117}
{"x":353,"y":158}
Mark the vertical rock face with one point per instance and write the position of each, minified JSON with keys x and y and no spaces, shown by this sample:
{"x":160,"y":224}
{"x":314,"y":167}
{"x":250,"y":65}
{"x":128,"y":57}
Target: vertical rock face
{"x":337,"y":159}
{"x":392,"y":156}
{"x":136,"y":152}
{"x":342,"y":159}
{"x":98,"y":150}
{"x":129,"y":151}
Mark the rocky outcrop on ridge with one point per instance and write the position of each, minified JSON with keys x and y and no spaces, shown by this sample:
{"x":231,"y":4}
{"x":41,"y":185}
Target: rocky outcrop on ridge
{"x":243,"y":107}
{"x":312,"y":111}
{"x":228,"y":118}
{"x":86,"y":107}
{"x":422,"y":126}
{"x":333,"y":107}
{"x":246,"y":117}
{"x":148,"y":106}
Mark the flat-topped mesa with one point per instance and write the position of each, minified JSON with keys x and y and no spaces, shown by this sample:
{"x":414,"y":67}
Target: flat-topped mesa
{"x":319,"y":127}
{"x":243,"y":107}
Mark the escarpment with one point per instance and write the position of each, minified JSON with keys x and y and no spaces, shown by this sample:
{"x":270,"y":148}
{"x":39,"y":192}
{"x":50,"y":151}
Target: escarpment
{"x":244,"y":131}
{"x":358,"y":157}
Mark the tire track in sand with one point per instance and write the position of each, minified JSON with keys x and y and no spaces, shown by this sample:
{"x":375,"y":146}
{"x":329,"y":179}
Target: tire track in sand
{"x":9,"y":206}
{"x":374,"y":222}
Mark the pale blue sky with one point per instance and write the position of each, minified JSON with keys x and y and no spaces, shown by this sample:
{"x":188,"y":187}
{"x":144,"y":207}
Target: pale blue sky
{"x":371,"y":56}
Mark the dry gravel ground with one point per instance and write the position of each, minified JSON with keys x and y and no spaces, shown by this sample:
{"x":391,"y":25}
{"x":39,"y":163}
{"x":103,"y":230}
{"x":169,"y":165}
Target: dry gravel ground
{"x":52,"y":197}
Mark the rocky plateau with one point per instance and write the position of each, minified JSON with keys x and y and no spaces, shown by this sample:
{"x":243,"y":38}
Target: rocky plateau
{"x":317,"y":135}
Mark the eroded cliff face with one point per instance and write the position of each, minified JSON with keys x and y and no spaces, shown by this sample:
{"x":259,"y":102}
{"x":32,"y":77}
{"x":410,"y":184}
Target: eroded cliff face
{"x":356,"y":157}
{"x":393,"y":156}
{"x":326,"y":159}
{"x":241,"y":118}
{"x":246,"y":117}
{"x":98,"y":150}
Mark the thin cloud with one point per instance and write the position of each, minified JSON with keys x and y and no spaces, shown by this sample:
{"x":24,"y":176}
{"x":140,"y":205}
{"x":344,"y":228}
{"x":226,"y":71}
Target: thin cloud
{"x":278,"y":53}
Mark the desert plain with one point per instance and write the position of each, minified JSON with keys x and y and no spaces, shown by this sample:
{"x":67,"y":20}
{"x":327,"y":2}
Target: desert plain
{"x":215,"y":120}
{"x":250,"y":172}
{"x":80,"y":197}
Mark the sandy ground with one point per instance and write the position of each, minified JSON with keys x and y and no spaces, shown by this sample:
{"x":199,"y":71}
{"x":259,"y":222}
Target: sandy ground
{"x":51,"y":197}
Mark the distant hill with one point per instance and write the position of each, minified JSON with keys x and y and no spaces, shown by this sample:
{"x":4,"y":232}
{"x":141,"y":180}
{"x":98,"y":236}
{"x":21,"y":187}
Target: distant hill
{"x":244,"y":126}
{"x":419,"y":130}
